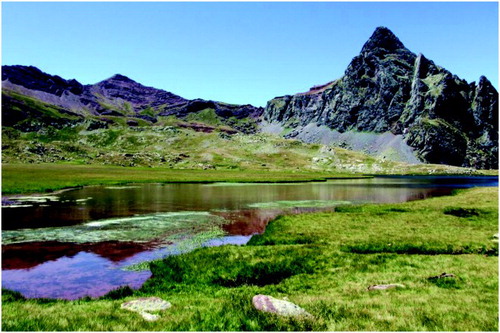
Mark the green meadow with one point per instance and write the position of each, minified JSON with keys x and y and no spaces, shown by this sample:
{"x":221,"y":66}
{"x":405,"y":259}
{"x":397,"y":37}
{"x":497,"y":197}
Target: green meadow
{"x":36,"y":178}
{"x":323,"y":262}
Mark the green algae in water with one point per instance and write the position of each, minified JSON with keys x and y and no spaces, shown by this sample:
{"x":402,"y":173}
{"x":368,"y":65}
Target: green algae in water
{"x":182,"y":244}
{"x":139,"y":267}
{"x":300,"y":203}
{"x":160,"y":226}
{"x":191,"y":242}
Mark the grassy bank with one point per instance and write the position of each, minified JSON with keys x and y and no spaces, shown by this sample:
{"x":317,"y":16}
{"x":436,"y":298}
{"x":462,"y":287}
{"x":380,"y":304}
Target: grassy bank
{"x":46,"y":177}
{"x":30,"y":178}
{"x":323,"y":262}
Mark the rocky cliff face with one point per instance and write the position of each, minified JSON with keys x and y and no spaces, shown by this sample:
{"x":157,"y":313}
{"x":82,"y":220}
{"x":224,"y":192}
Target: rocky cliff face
{"x":387,"y":88}
{"x":116,"y":96}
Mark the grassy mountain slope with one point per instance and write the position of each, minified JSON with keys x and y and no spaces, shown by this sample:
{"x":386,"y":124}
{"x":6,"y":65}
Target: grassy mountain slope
{"x":201,"y":140}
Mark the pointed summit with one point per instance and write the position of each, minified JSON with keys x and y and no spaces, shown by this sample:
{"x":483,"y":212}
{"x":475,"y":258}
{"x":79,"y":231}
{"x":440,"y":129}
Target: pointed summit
{"x":119,"y":77}
{"x":118,"y":80}
{"x":383,"y":38}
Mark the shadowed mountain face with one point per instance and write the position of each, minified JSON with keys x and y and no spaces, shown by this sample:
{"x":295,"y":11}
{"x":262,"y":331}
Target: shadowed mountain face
{"x":390,"y":103}
{"x":116,"y":96}
{"x":387,"y":88}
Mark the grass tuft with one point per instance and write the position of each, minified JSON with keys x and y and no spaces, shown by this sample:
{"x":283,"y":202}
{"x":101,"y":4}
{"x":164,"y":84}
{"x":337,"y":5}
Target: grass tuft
{"x":11,"y":296}
{"x":447,"y":283}
{"x":119,"y":293}
{"x":461,"y":212}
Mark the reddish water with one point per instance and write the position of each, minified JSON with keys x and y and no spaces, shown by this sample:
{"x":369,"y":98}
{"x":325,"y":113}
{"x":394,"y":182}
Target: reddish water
{"x":58,"y":269}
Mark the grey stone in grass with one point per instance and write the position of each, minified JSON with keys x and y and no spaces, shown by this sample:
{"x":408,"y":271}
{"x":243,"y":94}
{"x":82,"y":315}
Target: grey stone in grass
{"x":145,"y":305}
{"x":285,"y":308}
{"x":385,"y":286}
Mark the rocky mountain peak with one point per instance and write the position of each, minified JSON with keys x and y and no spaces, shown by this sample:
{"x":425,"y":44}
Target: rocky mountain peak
{"x":118,"y":80}
{"x":383,"y":38}
{"x":119,"y":77}
{"x":139,"y":96}
{"x":389,"y":90}
{"x":483,"y":81}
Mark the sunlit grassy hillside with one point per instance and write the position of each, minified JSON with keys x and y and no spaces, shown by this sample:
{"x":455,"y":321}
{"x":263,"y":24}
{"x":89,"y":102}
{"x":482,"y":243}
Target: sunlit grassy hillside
{"x":181,"y":144}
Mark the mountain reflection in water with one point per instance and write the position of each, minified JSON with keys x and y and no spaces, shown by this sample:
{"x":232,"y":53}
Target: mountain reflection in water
{"x":57,"y":268}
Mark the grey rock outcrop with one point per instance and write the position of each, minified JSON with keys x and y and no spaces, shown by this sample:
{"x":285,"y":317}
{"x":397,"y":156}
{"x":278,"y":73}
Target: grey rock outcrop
{"x":385,"y":286}
{"x":280,"y":307}
{"x":387,"y":88}
{"x":145,"y":305}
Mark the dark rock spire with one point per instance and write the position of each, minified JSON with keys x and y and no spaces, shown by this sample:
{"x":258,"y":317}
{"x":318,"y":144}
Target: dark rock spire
{"x":388,"y":88}
{"x":383,"y":38}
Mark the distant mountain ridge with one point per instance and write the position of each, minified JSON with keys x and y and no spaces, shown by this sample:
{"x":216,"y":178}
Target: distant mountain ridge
{"x":117,"y":95}
{"x":390,"y":103}
{"x":388,"y":89}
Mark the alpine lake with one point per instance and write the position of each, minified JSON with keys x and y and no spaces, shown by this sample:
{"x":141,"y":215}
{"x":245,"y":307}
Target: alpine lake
{"x":88,"y":241}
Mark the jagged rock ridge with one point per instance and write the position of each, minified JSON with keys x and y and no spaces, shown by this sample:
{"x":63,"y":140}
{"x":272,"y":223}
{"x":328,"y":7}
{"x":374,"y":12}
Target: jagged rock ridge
{"x":387,"y":88}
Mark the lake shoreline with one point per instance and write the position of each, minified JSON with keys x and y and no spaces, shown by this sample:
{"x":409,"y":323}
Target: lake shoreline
{"x":304,"y":253}
{"x":38,"y":179}
{"x":20,"y":179}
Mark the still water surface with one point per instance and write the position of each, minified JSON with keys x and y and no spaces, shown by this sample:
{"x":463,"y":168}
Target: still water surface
{"x":51,"y":245}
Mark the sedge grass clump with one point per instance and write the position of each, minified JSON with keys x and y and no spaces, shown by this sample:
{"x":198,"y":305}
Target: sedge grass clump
{"x":447,"y":282}
{"x":11,"y":296}
{"x":462,"y":212}
{"x":119,"y":293}
{"x":227,"y":266}
{"x":263,"y":273}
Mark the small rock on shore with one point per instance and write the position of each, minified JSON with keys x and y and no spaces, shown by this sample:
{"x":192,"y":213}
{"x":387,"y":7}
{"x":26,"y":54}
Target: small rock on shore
{"x":270,"y":304}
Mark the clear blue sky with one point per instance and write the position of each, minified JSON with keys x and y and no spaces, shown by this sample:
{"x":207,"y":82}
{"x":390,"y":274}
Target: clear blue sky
{"x":240,"y":52}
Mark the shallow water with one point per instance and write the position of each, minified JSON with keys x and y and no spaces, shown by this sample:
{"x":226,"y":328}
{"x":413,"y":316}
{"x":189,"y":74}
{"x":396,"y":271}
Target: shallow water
{"x":77,"y":243}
